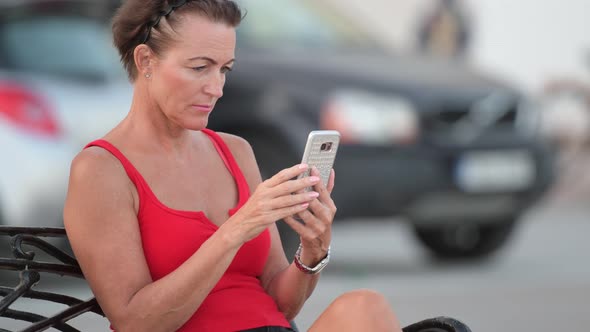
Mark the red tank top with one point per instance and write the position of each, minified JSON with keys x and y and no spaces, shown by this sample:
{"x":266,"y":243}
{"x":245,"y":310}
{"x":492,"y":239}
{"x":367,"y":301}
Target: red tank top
{"x":170,"y":237}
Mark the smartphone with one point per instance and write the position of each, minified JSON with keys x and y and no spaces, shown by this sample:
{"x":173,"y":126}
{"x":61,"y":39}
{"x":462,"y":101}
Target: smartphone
{"x":320,"y":152}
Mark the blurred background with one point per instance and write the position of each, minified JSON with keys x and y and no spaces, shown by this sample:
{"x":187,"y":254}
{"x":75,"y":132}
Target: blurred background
{"x":462,"y":186}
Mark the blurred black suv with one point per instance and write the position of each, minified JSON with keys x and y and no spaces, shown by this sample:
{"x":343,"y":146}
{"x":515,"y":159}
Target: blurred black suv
{"x":453,"y":151}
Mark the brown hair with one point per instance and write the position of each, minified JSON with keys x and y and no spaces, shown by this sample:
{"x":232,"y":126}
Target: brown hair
{"x":153,"y":22}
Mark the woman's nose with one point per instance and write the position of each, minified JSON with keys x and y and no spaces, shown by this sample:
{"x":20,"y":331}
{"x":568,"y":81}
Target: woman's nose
{"x":215,"y":86}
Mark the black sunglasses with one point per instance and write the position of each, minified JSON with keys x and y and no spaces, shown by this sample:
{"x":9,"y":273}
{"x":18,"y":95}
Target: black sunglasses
{"x":151,"y":25}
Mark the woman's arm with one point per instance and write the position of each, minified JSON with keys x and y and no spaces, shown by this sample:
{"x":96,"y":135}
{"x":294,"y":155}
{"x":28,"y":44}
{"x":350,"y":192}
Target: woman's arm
{"x":289,"y":287}
{"x":100,"y":219}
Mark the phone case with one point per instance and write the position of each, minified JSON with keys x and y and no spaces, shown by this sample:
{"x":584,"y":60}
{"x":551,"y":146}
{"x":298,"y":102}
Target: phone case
{"x":320,"y":152}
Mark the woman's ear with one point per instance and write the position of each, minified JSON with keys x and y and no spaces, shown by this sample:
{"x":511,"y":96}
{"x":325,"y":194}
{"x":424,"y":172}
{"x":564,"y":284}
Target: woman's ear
{"x":143,"y":57}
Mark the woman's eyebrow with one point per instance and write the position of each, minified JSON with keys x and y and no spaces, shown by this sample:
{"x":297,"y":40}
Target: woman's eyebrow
{"x":208,"y":59}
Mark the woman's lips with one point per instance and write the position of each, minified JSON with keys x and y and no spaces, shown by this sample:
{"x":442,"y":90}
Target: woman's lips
{"x":203,"y":108}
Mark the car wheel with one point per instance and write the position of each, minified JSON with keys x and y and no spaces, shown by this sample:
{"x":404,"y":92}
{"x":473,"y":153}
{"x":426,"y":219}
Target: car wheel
{"x":466,"y":240}
{"x":272,"y":155}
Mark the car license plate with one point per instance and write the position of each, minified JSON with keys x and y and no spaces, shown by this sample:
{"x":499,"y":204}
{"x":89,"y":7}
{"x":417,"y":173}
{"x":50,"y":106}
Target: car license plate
{"x":494,"y":171}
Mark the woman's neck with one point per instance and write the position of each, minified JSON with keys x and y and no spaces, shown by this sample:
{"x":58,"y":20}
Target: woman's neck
{"x":149,"y":126}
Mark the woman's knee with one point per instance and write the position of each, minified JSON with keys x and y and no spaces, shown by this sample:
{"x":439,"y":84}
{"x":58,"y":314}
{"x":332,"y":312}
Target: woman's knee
{"x":364,"y":309}
{"x":362,"y":301}
{"x":359,"y":310}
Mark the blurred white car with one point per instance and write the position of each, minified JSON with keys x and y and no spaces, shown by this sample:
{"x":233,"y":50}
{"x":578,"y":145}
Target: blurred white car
{"x":34,"y":167}
{"x":61,"y":86}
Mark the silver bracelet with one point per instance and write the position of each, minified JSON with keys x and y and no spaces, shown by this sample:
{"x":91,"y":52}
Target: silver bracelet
{"x":310,"y":270}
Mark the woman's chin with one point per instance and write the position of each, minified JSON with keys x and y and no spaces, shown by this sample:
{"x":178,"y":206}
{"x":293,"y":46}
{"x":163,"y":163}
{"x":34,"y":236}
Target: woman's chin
{"x":196,"y":124}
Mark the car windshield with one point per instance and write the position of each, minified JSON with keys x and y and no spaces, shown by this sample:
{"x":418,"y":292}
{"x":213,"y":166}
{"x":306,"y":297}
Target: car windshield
{"x":299,"y":24}
{"x":69,"y":46}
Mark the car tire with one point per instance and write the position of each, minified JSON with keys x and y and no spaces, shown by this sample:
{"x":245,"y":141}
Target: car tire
{"x":464,"y":241}
{"x":272,"y":155}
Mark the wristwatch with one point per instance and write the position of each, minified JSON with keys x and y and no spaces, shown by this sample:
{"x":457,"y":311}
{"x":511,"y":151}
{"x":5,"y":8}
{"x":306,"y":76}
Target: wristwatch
{"x":310,"y":270}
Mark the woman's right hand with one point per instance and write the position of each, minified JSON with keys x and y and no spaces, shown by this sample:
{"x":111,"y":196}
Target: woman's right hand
{"x":274,"y":199}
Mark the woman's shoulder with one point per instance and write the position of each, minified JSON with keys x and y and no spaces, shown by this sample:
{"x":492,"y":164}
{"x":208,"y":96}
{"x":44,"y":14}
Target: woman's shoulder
{"x":239,"y":147}
{"x":244,"y":156}
{"x":94,"y":159}
{"x":98,"y":189}
{"x":95,"y":165}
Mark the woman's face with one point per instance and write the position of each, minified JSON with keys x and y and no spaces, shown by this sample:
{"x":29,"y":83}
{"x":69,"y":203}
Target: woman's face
{"x":188,"y":78}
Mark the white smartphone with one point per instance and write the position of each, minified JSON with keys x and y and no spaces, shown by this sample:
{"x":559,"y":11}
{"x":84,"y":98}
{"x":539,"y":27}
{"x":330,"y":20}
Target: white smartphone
{"x":320,"y":152}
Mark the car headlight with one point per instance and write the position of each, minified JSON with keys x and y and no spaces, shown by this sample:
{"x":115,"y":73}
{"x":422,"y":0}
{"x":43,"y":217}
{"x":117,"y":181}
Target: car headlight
{"x":364,"y":117}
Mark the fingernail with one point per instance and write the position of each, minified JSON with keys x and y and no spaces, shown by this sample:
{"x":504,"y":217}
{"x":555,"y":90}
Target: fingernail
{"x":313,"y":194}
{"x":305,"y":205}
{"x":303,"y":166}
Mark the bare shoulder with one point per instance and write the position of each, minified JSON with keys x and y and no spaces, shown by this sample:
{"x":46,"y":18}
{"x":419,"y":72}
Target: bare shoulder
{"x":244,"y":155}
{"x":97,"y":179}
{"x":239,"y":147}
{"x":99,"y":168}
{"x":241,"y":150}
{"x":94,"y":162}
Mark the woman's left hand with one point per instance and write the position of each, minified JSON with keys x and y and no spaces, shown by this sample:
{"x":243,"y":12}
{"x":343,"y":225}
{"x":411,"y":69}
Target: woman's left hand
{"x":315,"y":230}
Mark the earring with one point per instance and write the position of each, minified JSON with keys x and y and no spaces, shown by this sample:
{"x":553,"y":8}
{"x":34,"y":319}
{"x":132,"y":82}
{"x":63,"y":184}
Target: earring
{"x":148,"y":75}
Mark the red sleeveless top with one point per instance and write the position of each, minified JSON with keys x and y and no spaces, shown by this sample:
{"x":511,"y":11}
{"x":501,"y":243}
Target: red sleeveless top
{"x":170,"y":237}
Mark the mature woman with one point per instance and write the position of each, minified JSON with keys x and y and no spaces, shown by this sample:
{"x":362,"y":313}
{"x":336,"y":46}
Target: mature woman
{"x":170,"y":221}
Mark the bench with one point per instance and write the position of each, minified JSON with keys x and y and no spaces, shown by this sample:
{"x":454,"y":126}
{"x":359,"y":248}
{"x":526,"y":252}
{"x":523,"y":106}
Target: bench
{"x":49,"y":243}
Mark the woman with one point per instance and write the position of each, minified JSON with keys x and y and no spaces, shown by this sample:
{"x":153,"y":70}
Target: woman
{"x":170,"y":221}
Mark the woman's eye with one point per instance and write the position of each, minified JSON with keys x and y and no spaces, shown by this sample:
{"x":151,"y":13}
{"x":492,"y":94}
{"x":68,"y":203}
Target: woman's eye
{"x":226,"y":69}
{"x":200,"y":68}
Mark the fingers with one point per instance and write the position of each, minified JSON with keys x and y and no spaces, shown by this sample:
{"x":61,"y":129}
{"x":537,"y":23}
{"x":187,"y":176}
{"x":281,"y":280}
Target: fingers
{"x":324,"y":196}
{"x":294,"y":186}
{"x":316,"y":216}
{"x":331,"y":180}
{"x":298,"y":227}
{"x":289,"y":211}
{"x":289,"y":200}
{"x":281,"y":197}
{"x":286,"y":175}
{"x":282,"y":183}
{"x":251,"y":226}
{"x":311,"y":228}
{"x":323,"y":212}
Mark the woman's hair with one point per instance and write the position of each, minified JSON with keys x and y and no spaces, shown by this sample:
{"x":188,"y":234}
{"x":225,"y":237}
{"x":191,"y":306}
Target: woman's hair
{"x":153,"y":22}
